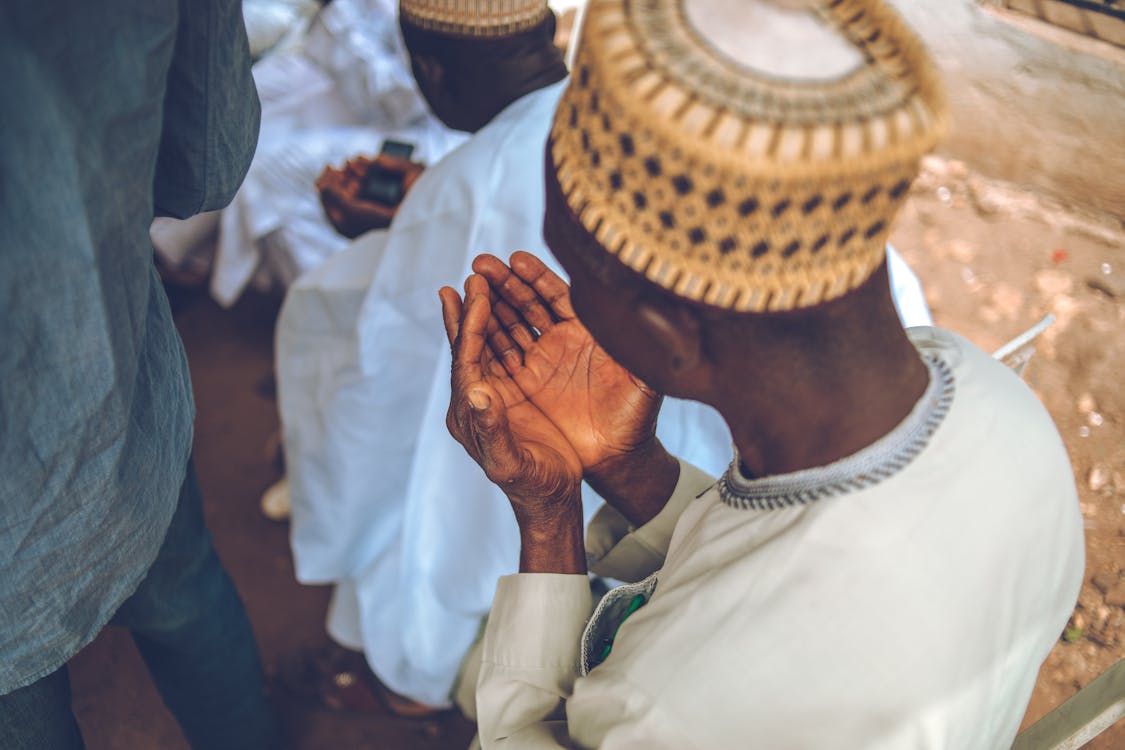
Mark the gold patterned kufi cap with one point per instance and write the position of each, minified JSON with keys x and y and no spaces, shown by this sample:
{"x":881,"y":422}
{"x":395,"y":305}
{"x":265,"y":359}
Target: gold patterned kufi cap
{"x":474,"y":18}
{"x":745,"y":154}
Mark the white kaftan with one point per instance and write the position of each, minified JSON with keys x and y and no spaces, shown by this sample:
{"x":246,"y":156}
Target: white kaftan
{"x":903,"y":597}
{"x":385,"y":503}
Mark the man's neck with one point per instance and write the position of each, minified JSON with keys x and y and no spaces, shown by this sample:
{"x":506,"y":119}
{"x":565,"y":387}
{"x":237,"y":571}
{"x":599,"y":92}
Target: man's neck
{"x":516,"y":83}
{"x":795,"y":405}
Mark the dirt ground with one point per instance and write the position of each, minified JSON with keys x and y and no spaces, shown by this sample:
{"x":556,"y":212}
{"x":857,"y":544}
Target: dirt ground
{"x":993,"y":262}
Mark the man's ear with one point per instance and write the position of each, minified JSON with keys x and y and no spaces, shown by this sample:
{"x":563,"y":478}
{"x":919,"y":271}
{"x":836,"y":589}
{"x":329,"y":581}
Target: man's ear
{"x":676,"y":330}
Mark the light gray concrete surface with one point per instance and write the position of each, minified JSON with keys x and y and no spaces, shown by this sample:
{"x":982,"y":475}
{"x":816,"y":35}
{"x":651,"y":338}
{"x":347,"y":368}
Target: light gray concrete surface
{"x":1030,"y":104}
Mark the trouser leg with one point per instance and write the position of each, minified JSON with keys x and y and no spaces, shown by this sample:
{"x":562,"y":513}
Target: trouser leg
{"x":38,"y":717}
{"x":192,"y":631}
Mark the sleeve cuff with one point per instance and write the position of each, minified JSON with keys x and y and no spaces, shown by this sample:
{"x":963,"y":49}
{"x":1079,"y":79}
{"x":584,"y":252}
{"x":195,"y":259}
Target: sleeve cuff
{"x":615,"y":549}
{"x":537,"y":620}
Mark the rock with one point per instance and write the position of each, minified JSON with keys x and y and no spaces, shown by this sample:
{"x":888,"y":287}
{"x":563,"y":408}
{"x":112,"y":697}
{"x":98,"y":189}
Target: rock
{"x":1053,"y":283}
{"x":1115,"y":597}
{"x":1099,"y":477}
{"x":1112,"y":285}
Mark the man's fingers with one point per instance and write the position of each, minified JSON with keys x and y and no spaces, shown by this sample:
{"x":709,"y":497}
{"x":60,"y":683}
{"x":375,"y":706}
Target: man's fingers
{"x":470,"y":341}
{"x":496,"y":448}
{"x":356,"y":167}
{"x":514,"y":324}
{"x":450,"y":312}
{"x":547,"y":284}
{"x":501,"y":343}
{"x":512,"y":289}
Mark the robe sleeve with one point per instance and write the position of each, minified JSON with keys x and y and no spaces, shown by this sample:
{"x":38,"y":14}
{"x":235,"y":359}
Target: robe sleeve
{"x":530,"y":660}
{"x":528,"y":671}
{"x":532,"y":640}
{"x":615,"y":549}
{"x":211,"y":111}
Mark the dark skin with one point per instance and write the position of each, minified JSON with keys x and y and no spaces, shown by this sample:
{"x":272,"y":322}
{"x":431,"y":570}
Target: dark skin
{"x":340,"y":193}
{"x":467,"y":82}
{"x":844,"y":371}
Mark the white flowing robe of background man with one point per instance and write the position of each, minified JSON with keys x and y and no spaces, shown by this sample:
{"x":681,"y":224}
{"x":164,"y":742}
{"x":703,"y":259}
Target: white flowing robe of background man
{"x":329,"y":91}
{"x":385,"y":503}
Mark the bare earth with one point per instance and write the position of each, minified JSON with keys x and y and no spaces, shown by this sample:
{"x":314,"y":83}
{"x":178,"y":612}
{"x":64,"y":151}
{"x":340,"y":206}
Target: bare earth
{"x":993,"y":262}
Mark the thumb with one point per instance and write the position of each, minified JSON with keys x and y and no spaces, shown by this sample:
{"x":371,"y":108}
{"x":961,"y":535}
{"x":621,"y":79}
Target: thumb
{"x":480,"y":401}
{"x":491,"y":431}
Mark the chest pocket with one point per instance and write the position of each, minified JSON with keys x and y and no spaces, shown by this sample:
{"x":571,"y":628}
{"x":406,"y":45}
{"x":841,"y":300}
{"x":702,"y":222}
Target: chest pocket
{"x":614,"y":608}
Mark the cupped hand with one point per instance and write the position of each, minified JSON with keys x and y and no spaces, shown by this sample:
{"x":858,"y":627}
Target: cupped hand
{"x":517,"y":445}
{"x":602,"y":409}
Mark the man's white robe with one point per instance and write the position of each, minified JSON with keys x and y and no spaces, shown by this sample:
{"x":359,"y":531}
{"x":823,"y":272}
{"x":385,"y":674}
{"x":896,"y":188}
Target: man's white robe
{"x":385,"y":503}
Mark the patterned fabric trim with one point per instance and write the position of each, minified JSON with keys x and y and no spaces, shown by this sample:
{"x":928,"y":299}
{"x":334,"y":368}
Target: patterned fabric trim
{"x":878,"y":461}
{"x":474,"y":18}
{"x":611,"y":611}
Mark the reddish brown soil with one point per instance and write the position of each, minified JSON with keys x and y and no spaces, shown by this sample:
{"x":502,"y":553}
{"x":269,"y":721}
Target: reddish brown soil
{"x":991,"y":266}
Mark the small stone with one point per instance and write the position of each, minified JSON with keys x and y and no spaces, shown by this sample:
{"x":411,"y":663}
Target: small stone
{"x":1107,"y":269}
{"x":1083,"y":431}
{"x":1098,"y":478}
{"x":1086,"y":403}
{"x":944,"y":194}
{"x":1052,"y":283}
{"x":1095,"y":419}
{"x":1115,"y":597}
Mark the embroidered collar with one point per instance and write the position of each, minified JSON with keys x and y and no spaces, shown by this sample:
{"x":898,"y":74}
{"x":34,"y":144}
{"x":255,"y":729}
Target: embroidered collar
{"x":882,"y":459}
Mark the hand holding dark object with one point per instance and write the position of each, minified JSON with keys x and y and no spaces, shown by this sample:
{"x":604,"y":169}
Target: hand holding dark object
{"x":518,"y":447}
{"x":607,"y":414}
{"x":342,"y":193}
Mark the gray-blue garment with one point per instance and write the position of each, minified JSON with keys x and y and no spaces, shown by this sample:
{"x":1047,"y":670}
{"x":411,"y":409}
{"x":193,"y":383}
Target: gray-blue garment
{"x":110,"y":111}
